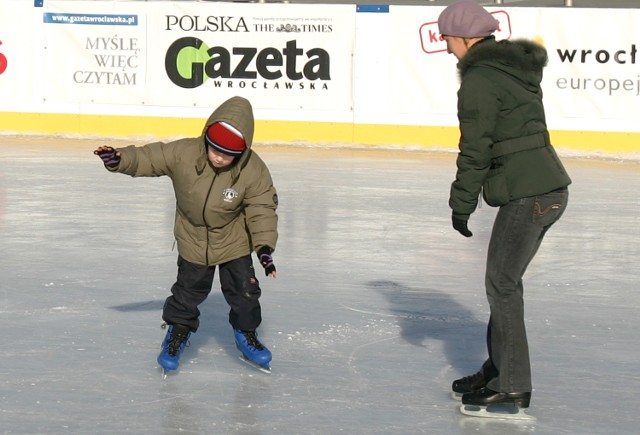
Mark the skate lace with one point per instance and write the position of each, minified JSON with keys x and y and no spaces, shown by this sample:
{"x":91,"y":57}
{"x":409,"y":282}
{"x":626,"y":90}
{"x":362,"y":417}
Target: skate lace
{"x":175,"y":342}
{"x":471,"y":379}
{"x":252,"y":339}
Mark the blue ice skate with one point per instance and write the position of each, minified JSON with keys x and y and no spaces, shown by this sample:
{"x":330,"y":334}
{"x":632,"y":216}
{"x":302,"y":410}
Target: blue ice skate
{"x":173,"y":345}
{"x":253,"y":352}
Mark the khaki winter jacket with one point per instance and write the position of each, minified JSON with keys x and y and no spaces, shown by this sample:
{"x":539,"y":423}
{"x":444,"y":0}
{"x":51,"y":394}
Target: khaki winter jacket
{"x":221,"y":214}
{"x":504,"y":143}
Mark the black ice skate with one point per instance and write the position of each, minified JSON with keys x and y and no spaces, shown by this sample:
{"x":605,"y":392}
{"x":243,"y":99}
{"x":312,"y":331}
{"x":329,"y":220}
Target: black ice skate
{"x":493,"y":404}
{"x":468,"y":384}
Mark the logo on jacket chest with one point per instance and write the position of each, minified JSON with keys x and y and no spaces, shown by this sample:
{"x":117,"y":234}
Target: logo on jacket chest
{"x":229,"y":195}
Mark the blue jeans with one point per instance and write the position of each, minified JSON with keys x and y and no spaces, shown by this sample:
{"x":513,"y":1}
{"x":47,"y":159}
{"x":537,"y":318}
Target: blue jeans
{"x":517,"y":234}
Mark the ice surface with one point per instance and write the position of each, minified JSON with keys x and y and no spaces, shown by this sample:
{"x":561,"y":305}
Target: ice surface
{"x":378,"y":305}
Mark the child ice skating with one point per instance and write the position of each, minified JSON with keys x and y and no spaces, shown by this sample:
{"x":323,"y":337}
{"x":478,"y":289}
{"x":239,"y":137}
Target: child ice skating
{"x":225,"y":209}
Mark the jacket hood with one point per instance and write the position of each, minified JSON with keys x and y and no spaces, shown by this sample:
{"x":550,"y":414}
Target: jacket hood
{"x":237,"y":112}
{"x":522,"y":59}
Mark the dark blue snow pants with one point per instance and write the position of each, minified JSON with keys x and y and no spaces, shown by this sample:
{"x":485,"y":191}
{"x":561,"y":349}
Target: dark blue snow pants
{"x":239,"y":286}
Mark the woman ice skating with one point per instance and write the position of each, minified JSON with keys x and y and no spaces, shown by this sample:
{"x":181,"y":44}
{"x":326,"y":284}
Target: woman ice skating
{"x":225,"y":209}
{"x":504,"y":153}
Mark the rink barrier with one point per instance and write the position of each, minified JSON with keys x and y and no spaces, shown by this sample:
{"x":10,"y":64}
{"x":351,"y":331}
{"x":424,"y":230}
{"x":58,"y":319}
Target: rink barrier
{"x":392,"y":83}
{"x":297,"y":133}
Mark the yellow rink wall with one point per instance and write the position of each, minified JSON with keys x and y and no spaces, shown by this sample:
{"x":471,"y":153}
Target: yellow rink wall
{"x":294,"y":132}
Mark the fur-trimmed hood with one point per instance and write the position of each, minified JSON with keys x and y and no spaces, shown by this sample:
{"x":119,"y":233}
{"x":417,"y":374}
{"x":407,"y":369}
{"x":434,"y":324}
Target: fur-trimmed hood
{"x":521,"y":58}
{"x":505,"y":152}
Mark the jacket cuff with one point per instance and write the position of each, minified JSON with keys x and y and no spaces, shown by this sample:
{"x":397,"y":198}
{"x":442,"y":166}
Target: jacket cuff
{"x":462,"y":217}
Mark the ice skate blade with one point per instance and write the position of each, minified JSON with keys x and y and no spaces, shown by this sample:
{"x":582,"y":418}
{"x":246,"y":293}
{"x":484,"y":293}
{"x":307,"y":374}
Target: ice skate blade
{"x":456,"y":396}
{"x":166,"y":373}
{"x":263,"y":369}
{"x":498,"y":411}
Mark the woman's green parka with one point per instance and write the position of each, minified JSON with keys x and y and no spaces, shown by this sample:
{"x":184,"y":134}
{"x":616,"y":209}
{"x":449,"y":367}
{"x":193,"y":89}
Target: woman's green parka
{"x":221,"y":214}
{"x":503,"y":131}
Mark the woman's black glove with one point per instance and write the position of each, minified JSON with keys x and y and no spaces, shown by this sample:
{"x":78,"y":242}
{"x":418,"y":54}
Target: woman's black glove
{"x":460,"y":226}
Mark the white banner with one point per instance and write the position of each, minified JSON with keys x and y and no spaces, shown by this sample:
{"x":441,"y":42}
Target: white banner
{"x":97,"y":50}
{"x":593,"y":69}
{"x":591,"y":81}
{"x":280,"y":56}
{"x":17,"y":76}
{"x":301,"y":63}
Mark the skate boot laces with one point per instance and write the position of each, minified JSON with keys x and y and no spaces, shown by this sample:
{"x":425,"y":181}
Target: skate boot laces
{"x":178,"y":340}
{"x":472,"y":379}
{"x":468,"y":383}
{"x":252,"y":339}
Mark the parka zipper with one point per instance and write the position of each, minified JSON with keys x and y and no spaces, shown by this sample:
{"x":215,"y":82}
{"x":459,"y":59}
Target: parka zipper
{"x":204,"y":219}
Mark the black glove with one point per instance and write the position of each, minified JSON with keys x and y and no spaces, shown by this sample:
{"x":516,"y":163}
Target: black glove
{"x":266,"y":260}
{"x":110,"y":156}
{"x":460,"y":225}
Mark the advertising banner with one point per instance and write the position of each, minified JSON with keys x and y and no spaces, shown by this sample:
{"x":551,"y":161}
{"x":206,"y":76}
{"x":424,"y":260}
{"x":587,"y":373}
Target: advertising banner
{"x":591,"y":81}
{"x":196,"y":54}
{"x":302,"y":66}
{"x":423,"y":73}
{"x":593,"y":72}
{"x":97,"y":50}
{"x":17,"y":80}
